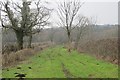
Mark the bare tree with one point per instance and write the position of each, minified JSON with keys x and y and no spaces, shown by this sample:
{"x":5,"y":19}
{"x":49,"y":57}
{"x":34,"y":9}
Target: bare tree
{"x":11,"y":21}
{"x":38,"y":18}
{"x":83,"y":25}
{"x":67,"y":12}
{"x":23,"y":20}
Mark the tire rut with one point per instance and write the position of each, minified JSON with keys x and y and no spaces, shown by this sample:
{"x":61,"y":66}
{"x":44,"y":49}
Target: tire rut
{"x":66,"y":72}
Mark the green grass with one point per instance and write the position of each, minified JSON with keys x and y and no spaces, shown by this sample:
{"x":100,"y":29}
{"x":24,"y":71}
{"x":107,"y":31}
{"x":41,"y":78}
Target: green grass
{"x":50,"y":64}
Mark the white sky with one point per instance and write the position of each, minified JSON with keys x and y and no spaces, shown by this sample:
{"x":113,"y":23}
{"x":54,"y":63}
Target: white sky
{"x":105,"y":11}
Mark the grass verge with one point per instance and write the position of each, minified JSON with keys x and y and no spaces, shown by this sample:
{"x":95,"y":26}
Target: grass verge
{"x":58,"y":63}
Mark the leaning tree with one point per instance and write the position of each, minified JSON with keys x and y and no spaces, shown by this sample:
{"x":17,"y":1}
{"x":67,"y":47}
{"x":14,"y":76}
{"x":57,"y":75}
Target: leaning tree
{"x":23,"y":19}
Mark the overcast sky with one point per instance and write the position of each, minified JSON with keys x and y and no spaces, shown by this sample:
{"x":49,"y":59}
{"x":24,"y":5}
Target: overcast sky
{"x":103,"y":11}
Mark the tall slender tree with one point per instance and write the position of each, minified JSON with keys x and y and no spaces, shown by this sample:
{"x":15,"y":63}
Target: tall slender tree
{"x":67,"y":12}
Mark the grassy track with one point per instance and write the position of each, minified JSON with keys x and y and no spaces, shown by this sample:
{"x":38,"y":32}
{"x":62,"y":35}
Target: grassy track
{"x":58,"y":63}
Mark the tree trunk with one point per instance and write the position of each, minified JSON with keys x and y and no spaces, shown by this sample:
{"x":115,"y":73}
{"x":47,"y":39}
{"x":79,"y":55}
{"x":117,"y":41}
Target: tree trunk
{"x":69,"y":42}
{"x":30,"y":41}
{"x":19,"y":35}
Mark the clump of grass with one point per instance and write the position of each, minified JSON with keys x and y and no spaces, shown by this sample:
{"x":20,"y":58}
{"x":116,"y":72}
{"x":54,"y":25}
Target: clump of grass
{"x":106,"y":49}
{"x":14,"y":58}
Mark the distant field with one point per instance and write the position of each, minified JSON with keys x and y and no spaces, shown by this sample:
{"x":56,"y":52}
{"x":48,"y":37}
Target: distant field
{"x":58,"y":63}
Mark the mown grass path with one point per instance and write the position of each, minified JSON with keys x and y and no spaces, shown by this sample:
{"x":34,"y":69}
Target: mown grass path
{"x":58,"y":63}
